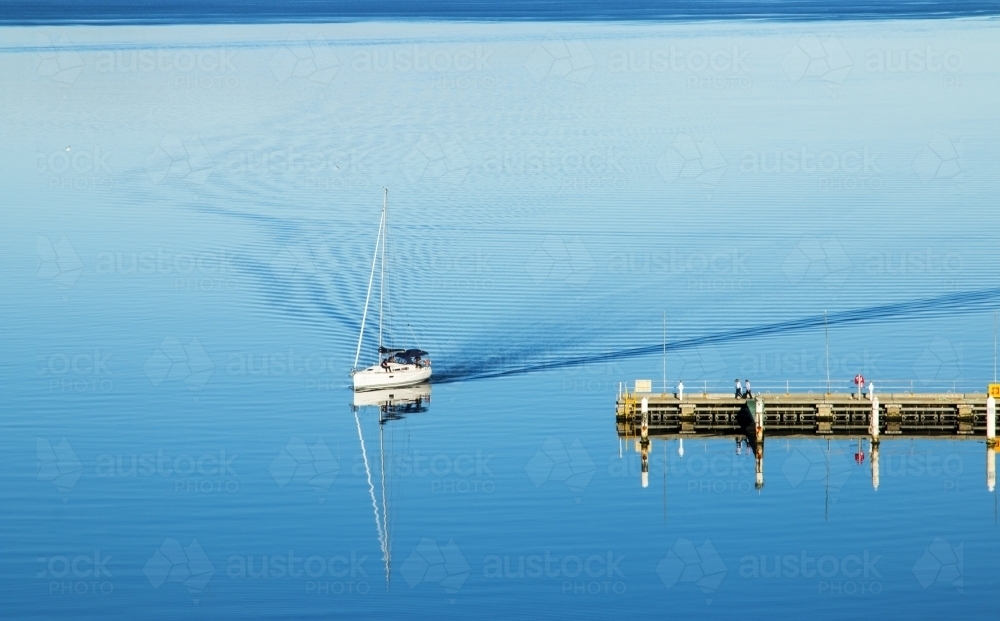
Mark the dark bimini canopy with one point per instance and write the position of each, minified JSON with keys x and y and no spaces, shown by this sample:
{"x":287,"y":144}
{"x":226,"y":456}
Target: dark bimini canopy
{"x":411,"y":354}
{"x":403,"y":354}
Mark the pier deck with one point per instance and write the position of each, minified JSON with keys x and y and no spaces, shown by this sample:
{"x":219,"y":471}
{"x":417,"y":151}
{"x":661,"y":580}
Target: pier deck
{"x":943,"y":414}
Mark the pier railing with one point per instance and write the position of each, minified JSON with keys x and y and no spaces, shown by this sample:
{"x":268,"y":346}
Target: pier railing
{"x":763,"y":387}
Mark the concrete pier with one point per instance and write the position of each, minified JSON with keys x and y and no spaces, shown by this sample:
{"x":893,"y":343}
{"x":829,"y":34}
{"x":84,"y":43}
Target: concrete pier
{"x":938,"y":414}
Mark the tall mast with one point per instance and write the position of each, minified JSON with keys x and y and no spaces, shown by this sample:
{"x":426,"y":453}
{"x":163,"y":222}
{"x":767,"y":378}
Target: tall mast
{"x":381,"y":281}
{"x":371,"y":278}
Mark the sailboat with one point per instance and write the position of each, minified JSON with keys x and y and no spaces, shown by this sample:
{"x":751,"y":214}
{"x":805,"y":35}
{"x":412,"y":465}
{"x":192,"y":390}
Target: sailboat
{"x":397,"y":366}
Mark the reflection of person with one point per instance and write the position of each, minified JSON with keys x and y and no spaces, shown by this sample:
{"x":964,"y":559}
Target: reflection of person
{"x":739,"y":389}
{"x":749,"y":393}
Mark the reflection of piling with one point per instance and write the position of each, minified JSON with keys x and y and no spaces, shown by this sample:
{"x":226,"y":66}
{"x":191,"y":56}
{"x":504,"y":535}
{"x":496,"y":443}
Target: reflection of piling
{"x":991,"y":469}
{"x":644,"y":453}
{"x":759,"y":449}
{"x":874,"y":452}
{"x":644,"y":442}
{"x":991,"y":422}
{"x":759,"y":466}
{"x":759,"y":419}
{"x":873,"y":426}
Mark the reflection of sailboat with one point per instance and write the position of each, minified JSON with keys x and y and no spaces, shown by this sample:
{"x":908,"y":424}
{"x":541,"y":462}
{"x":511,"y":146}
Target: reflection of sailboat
{"x":393,"y":404}
{"x":397,"y":366}
{"x":396,"y":402}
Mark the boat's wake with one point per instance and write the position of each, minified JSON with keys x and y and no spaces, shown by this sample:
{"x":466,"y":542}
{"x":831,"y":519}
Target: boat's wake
{"x":946,"y":305}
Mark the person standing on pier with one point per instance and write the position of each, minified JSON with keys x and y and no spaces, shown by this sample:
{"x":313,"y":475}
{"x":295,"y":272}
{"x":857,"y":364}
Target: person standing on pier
{"x":749,"y":393}
{"x":871,"y":390}
{"x":739,"y":389}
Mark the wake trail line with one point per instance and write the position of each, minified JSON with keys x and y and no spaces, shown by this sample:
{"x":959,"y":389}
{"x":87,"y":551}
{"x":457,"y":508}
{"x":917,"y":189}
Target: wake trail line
{"x":950,"y":304}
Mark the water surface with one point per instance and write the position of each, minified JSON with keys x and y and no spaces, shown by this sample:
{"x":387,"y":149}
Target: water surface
{"x":189,"y":218}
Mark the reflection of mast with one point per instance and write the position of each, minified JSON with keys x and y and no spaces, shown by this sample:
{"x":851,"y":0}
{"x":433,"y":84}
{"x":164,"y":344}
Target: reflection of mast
{"x":371,"y":490}
{"x":385,"y":503}
{"x":664,"y":482}
{"x":826,"y":504}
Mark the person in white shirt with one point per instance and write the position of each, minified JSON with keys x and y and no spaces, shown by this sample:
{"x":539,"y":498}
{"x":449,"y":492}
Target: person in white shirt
{"x":739,"y":389}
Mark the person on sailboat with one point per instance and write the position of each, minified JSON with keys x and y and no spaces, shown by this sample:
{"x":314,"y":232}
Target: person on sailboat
{"x":385,"y":365}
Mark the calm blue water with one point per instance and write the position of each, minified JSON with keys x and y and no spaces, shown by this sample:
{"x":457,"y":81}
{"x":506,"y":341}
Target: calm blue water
{"x":189,"y":217}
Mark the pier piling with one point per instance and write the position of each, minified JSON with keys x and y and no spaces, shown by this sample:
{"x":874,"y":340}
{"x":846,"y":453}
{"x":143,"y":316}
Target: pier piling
{"x":873,"y":426}
{"x":991,"y":421}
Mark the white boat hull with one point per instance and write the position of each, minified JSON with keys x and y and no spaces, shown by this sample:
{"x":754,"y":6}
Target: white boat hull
{"x":376,"y":377}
